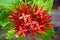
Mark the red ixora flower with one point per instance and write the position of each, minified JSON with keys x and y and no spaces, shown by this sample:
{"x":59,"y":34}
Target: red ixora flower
{"x":30,"y":20}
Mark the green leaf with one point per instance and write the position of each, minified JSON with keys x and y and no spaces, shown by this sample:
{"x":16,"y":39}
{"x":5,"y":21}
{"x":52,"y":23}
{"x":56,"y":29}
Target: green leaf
{"x":50,"y":33}
{"x":37,"y":35}
{"x":45,"y":38}
{"x":8,"y":26}
{"x":21,"y":38}
{"x":4,"y":14}
{"x":3,"y":22}
{"x":48,"y":5}
{"x":39,"y":2}
{"x":18,"y":2}
{"x":9,"y":4}
{"x":10,"y":34}
{"x":47,"y":35}
{"x":44,"y":33}
{"x":4,"y":17}
{"x":5,"y":3}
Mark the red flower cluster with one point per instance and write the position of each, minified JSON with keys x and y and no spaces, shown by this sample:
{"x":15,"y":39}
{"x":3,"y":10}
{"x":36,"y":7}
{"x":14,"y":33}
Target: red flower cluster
{"x":30,"y":20}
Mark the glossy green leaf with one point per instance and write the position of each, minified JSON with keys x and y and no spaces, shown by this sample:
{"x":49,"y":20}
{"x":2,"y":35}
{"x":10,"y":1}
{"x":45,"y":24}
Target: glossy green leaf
{"x":48,"y":5}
